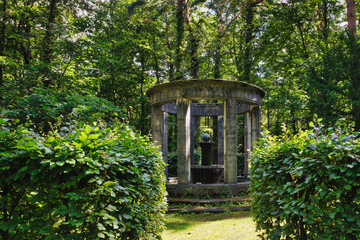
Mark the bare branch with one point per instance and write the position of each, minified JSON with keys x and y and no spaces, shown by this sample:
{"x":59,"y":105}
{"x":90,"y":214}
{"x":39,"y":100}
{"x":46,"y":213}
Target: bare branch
{"x":228,"y":25}
{"x":257,"y":2}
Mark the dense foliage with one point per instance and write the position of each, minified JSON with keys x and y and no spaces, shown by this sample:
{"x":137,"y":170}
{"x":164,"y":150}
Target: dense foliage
{"x":46,"y":107}
{"x":299,"y":51}
{"x":81,"y":182}
{"x":307,"y":186}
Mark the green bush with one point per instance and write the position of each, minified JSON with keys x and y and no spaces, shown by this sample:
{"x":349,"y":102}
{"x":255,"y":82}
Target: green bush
{"x":307,"y":186}
{"x":45,"y":107}
{"x":82,"y":182}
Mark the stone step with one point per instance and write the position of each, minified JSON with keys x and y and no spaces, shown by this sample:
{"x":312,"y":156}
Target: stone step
{"x":209,"y":210}
{"x":208,"y":201}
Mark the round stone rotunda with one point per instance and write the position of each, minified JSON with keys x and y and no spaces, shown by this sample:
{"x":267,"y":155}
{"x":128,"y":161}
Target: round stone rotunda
{"x":181,"y":98}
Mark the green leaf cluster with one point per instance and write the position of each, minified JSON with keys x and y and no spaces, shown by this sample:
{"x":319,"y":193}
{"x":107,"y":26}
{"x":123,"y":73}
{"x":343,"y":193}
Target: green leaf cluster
{"x":82,"y":182}
{"x":46,"y":107}
{"x":307,"y":186}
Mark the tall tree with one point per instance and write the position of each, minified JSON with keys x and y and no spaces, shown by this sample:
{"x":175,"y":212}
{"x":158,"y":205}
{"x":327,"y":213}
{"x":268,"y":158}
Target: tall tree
{"x":247,"y":61}
{"x":180,"y":31}
{"x":226,"y":15}
{"x":2,"y":38}
{"x":193,"y":44}
{"x":303,"y":63}
{"x":355,"y":62}
{"x":48,"y":41}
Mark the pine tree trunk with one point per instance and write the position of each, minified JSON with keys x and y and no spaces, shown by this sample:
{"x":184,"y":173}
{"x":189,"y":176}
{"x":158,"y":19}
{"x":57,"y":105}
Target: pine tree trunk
{"x":351,"y":17}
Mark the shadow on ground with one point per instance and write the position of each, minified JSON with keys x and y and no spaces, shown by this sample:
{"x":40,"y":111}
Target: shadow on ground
{"x":184,"y":221}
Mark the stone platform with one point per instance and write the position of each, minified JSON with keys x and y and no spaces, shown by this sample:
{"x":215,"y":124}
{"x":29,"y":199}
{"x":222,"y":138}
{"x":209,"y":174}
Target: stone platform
{"x":236,"y":189}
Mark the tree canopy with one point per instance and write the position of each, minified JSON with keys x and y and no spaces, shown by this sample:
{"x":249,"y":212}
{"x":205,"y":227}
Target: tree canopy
{"x":303,"y":53}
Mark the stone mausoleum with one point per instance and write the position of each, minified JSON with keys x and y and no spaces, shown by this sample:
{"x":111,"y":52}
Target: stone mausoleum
{"x":182,"y":98}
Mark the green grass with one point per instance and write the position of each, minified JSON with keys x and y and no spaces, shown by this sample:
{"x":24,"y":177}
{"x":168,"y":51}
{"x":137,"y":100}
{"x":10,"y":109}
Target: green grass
{"x":237,"y":225}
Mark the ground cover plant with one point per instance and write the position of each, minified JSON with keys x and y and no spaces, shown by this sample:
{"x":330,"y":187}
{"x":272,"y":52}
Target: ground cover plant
{"x":307,"y":186}
{"x":79,"y":181}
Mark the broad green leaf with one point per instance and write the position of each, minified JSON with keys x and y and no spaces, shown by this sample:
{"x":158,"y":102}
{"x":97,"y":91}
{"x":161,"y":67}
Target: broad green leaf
{"x":101,"y":227}
{"x":23,"y":169}
{"x":94,"y":136}
{"x":82,"y":137}
{"x":71,"y":161}
{"x":87,"y":129}
{"x":101,"y":235}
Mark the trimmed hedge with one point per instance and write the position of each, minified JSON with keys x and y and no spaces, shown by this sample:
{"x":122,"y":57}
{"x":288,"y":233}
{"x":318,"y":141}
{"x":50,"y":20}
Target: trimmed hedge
{"x":83,"y":182}
{"x":307,"y":186}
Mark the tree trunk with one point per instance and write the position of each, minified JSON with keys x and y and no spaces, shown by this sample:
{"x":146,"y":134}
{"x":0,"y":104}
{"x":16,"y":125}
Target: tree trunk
{"x":325,"y":19}
{"x":2,"y":38}
{"x":246,"y":64}
{"x":351,"y":17}
{"x":171,"y":65}
{"x":217,"y":60}
{"x":355,"y":64}
{"x":48,"y":40}
{"x":143,"y":112}
{"x":179,"y":38}
{"x":249,"y":35}
{"x":193,"y":44}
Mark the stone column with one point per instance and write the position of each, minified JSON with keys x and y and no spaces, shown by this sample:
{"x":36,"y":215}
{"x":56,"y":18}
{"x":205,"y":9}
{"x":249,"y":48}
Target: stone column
{"x":192,"y":139}
{"x":255,"y":113}
{"x":157,"y":128}
{"x":221,"y":140}
{"x":165,"y":142}
{"x":183,"y":141}
{"x":247,"y":142}
{"x":157,"y":124}
{"x":230,"y":141}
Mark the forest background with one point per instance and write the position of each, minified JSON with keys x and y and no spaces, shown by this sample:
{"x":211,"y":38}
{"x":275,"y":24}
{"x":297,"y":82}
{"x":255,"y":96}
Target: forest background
{"x":303,"y":53}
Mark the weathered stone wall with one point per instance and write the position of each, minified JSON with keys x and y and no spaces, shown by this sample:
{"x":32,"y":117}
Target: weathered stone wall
{"x":206,"y":89}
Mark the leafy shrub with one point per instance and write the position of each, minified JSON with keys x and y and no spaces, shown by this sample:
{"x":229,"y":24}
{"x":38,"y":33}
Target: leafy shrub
{"x":83,"y":182}
{"x":197,"y":157}
{"x":44,"y":107}
{"x":307,"y":186}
